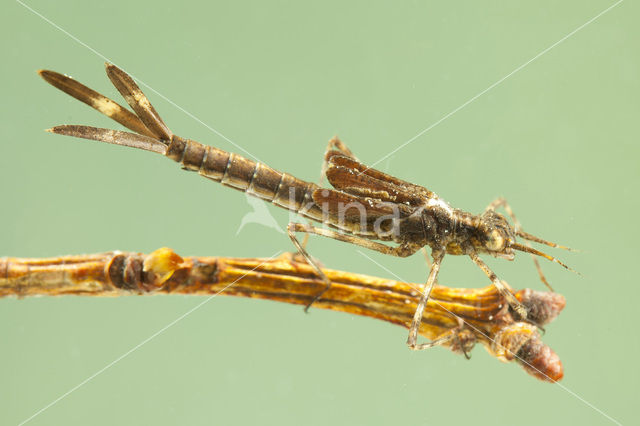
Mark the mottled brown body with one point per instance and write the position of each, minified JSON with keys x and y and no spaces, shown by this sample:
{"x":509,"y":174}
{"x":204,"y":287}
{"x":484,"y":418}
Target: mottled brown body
{"x":417,"y":224}
{"x":366,"y":205}
{"x":254,"y":178}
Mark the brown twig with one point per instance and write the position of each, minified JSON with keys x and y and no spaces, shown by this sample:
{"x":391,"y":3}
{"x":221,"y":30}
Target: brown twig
{"x":455,"y":317}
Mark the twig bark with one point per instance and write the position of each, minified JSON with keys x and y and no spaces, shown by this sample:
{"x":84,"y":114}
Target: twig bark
{"x":455,"y":317}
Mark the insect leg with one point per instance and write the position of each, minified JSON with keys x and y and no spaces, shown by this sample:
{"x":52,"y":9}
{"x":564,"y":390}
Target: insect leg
{"x":427,"y":259}
{"x":459,"y":339}
{"x":500,"y":285}
{"x":444,"y":338}
{"x":412,"y":340}
{"x":310,"y":260}
{"x":402,"y":250}
{"x":502,"y":202}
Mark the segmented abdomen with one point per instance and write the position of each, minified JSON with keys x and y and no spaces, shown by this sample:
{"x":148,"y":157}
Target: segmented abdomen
{"x":245,"y":175}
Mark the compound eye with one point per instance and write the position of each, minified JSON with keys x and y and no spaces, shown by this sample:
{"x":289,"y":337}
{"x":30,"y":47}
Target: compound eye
{"x":495,"y":242}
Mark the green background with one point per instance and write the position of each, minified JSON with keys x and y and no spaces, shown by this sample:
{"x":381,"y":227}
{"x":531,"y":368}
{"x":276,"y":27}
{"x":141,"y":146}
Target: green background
{"x":559,"y":139}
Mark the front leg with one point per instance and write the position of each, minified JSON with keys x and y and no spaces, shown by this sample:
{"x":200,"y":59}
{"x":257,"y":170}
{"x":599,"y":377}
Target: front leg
{"x":502,"y":287}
